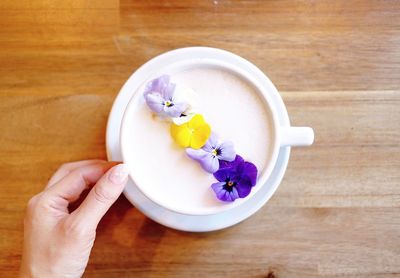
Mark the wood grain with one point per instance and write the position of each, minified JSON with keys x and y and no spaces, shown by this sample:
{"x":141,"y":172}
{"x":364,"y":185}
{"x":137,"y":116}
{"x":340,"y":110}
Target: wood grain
{"x":337,"y":65}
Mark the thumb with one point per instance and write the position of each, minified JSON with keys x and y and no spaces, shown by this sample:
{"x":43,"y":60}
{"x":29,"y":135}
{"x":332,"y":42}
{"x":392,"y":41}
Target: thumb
{"x":101,"y":197}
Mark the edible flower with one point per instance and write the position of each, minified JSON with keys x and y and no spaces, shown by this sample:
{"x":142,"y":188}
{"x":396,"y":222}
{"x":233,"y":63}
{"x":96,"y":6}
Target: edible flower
{"x":159,"y":96}
{"x":235,"y":179}
{"x":214,"y":151}
{"x":191,"y":98}
{"x":193,"y":133}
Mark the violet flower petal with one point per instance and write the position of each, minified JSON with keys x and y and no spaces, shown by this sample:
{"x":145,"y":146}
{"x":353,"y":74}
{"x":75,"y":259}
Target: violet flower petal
{"x":231,"y":164}
{"x":227,"y":151}
{"x":196,"y":154}
{"x":223,"y":194}
{"x":250,"y":171}
{"x":157,"y":85}
{"x":211,"y":143}
{"x":175,"y":110}
{"x":225,"y":174}
{"x":168,"y":91}
{"x":243,"y":188}
{"x":226,"y":197}
{"x":155,"y":102}
{"x":224,"y":164}
{"x":219,"y":190}
{"x":210,"y":163}
{"x":234,"y":193}
{"x":207,"y":161}
{"x":238,"y":160}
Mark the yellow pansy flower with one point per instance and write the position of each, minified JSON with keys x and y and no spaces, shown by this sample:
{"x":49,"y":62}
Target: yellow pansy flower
{"x":192,"y":134}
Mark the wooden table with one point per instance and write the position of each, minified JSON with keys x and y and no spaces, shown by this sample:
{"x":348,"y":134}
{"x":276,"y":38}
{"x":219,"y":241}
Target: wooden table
{"x":337,"y":66}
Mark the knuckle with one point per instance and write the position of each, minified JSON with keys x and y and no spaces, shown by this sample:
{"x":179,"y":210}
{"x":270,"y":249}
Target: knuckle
{"x":42,"y":203}
{"x":33,"y":208}
{"x":36,"y":202}
{"x":102,"y":194}
{"x":76,"y":174}
{"x":32,"y":203}
{"x":43,"y":198}
{"x":66,"y":167}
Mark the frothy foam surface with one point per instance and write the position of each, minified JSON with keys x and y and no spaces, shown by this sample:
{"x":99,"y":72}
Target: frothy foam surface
{"x":234,"y":111}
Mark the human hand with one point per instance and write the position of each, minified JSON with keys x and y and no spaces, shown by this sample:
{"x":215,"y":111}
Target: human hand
{"x":57,"y":243}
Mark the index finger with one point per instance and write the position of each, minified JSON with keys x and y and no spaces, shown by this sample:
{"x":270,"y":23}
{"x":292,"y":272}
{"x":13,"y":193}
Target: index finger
{"x":66,"y":168}
{"x":71,"y":186}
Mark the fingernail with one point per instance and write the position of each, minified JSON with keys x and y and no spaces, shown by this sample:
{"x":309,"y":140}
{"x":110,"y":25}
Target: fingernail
{"x":118,"y":174}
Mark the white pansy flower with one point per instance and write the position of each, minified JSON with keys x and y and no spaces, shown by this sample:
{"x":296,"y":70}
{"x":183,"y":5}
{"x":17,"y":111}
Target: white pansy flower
{"x":191,"y":98}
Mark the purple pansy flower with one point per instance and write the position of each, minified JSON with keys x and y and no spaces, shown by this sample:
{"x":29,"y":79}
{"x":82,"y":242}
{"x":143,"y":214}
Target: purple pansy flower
{"x":214,"y":151}
{"x":159,"y":96}
{"x":235,"y":179}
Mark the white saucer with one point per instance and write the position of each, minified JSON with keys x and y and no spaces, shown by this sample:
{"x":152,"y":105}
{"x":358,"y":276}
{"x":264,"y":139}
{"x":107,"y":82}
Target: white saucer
{"x":194,"y":223}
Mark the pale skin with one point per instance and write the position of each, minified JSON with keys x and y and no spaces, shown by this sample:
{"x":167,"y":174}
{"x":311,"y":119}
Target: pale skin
{"x":57,"y":242}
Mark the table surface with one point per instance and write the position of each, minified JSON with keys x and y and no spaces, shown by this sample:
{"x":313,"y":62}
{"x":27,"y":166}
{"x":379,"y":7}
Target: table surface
{"x":337,"y":66}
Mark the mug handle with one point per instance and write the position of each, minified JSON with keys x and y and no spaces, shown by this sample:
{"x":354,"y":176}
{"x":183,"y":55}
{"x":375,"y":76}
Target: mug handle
{"x":294,"y":136}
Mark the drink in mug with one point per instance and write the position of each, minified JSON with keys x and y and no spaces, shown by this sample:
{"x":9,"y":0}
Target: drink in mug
{"x":236,"y":107}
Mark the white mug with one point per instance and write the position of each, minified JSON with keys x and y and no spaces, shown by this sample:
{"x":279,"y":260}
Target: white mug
{"x":281,"y":136}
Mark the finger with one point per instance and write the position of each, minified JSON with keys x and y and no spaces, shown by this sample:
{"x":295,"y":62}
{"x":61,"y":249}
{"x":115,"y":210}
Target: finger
{"x":66,"y":168}
{"x":101,"y":197}
{"x":71,"y":186}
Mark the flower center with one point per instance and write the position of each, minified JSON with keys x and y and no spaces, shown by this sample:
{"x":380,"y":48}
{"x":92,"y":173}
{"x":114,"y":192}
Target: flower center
{"x":216,"y":152}
{"x":229,"y":185}
{"x":168,"y":103}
